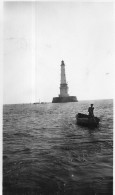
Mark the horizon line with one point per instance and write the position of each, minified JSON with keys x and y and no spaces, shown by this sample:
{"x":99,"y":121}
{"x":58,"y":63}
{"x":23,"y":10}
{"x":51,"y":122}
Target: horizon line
{"x":56,"y":103}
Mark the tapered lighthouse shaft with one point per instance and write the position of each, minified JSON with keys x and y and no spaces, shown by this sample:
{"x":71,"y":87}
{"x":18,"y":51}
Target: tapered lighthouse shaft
{"x":63,"y":76}
{"x":63,"y":84}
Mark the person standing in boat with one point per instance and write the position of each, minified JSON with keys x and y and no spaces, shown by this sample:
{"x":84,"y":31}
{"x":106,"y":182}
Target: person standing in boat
{"x":90,"y":110}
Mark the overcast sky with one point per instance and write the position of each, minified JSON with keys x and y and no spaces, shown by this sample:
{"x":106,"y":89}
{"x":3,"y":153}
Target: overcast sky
{"x":37,"y":36}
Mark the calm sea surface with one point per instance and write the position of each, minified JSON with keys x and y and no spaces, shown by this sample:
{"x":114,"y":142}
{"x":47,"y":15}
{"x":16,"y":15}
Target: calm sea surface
{"x":45,"y":152}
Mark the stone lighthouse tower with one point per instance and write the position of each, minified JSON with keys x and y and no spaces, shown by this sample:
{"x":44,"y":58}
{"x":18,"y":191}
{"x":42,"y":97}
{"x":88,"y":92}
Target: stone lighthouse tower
{"x":63,"y":84}
{"x":64,"y":96}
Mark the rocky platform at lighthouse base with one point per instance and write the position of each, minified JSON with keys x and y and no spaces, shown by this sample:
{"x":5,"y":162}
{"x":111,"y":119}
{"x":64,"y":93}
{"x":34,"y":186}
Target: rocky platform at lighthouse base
{"x":64,"y":99}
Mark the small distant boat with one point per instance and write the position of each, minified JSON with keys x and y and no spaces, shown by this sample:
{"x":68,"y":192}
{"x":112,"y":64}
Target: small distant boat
{"x":85,"y":120}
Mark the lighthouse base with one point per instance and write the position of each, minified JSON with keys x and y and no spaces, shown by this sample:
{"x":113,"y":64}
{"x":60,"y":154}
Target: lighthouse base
{"x":64,"y":99}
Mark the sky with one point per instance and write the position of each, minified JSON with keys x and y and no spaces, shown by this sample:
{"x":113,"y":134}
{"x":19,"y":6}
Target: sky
{"x":39,"y":35}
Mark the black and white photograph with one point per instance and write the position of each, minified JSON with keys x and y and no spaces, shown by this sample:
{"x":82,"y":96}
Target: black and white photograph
{"x":58,"y":70}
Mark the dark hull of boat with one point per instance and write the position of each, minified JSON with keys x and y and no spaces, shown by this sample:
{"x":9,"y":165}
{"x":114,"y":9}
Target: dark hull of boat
{"x":85,"y":120}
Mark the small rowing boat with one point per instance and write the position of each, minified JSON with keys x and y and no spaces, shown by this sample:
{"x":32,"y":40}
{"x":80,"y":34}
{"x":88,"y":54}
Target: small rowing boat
{"x":85,"y":120}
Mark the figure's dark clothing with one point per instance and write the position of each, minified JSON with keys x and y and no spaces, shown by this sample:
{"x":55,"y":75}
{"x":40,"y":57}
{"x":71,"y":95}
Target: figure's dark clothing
{"x":90,"y":110}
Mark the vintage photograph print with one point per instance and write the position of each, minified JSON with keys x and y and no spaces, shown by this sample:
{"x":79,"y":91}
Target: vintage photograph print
{"x":58,"y":98}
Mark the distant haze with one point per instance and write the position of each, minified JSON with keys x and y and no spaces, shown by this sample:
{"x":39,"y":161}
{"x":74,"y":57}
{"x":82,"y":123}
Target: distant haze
{"x":38,"y":35}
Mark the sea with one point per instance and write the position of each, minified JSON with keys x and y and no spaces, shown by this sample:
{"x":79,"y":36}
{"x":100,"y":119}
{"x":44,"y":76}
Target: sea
{"x":46,"y":153}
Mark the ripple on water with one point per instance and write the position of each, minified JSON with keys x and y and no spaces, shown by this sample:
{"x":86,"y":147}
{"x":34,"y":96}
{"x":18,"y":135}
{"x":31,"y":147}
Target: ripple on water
{"x":45,"y":152}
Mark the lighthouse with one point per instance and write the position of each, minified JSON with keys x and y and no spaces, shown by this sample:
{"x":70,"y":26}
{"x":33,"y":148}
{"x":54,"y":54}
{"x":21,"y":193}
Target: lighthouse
{"x":64,"y":96}
{"x":63,"y":84}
